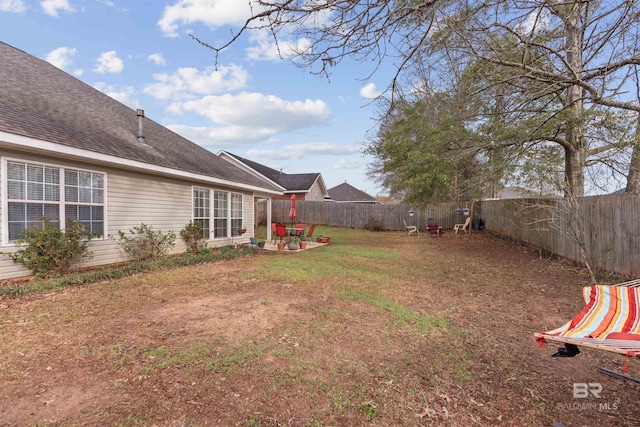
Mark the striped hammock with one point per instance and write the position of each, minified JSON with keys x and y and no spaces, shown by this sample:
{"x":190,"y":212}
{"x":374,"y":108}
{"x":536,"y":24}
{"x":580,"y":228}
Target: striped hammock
{"x":609,"y":321}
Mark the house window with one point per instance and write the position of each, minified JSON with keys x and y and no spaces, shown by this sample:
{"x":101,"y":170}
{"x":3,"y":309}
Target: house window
{"x":220,"y":213}
{"x":201,"y":210}
{"x":84,"y":199}
{"x":224,"y":219}
{"x":33,"y":192}
{"x":37,"y":191}
{"x":236,"y":213}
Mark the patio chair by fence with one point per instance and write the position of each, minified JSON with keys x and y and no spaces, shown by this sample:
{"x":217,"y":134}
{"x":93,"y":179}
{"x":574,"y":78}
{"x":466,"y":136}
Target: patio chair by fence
{"x":610,"y":321}
{"x":464,"y":227}
{"x":433,"y":228}
{"x":411,"y":229}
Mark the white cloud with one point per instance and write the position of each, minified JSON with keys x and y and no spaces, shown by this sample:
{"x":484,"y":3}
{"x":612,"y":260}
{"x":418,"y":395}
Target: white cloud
{"x":248,"y":118}
{"x":535,"y":22}
{"x":52,"y":7}
{"x":109,"y":63}
{"x":12,"y":6}
{"x":60,"y":57}
{"x":221,"y":136}
{"x":190,"y":82}
{"x":267,"y":50}
{"x":324,"y":148}
{"x":157,"y":59}
{"x":214,"y":13}
{"x":256,"y":110}
{"x":349,"y":164}
{"x":266,"y":155}
{"x":123,"y":94}
{"x":79,"y":72}
{"x":299,"y":151}
{"x":369,"y":91}
{"x":421,"y":89}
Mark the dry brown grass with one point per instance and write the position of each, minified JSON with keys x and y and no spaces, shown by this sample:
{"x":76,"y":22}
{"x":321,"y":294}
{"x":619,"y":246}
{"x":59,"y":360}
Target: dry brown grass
{"x":374,"y":329}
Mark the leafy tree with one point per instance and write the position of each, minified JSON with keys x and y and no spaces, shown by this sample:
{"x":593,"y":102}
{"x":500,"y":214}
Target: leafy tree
{"x":424,"y":152}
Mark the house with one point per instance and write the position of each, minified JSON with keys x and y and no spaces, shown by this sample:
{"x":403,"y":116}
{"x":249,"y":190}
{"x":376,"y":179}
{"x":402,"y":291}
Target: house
{"x":306,"y":186}
{"x":346,"y":193}
{"x":523,"y":193}
{"x":385,"y":200}
{"x":70,"y":152}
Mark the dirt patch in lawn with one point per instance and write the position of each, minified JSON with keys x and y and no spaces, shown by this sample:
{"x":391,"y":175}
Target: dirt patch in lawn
{"x":232,"y":317}
{"x":373,"y":329}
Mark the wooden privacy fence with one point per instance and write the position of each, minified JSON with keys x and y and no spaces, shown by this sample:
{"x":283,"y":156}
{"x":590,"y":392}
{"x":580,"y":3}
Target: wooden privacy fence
{"x":607,"y":227}
{"x":359,"y":215}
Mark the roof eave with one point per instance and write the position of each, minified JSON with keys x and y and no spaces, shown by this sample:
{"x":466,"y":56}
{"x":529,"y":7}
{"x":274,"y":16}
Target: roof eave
{"x":21,"y":142}
{"x":225,"y":155}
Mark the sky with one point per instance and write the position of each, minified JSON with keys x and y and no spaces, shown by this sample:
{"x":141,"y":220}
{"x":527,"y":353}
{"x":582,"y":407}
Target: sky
{"x":253,"y":103}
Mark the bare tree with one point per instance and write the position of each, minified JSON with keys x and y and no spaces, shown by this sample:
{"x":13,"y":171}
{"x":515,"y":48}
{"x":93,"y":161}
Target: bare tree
{"x":633,"y":177}
{"x":568,"y":54}
{"x":333,"y":30}
{"x":573,"y":55}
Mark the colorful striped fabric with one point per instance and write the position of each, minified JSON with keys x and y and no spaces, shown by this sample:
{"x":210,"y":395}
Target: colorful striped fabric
{"x":608,"y":309}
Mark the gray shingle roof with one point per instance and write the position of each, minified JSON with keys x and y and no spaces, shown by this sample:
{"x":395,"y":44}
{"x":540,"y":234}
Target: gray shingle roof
{"x":348,"y":193}
{"x":297,"y":182}
{"x":40,"y":101}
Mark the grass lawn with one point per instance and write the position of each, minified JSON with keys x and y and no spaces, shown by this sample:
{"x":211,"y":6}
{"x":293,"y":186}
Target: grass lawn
{"x":373,"y":329}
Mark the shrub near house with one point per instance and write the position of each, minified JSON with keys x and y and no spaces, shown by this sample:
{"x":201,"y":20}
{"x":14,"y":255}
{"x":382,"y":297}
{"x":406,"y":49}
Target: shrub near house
{"x":48,"y":251}
{"x":146,"y":243}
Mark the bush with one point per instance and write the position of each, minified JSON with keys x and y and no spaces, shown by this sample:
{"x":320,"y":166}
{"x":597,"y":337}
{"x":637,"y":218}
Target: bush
{"x":374,"y":224}
{"x":50,"y":251}
{"x":146,"y":243}
{"x":192,"y":236}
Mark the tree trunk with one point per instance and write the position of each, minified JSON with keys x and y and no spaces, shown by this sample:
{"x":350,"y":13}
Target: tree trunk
{"x":574,"y":161}
{"x":633,"y":177}
{"x":575,"y":156}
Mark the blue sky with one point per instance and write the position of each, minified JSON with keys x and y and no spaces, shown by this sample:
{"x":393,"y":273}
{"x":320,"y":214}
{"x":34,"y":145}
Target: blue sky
{"x":255,"y":104}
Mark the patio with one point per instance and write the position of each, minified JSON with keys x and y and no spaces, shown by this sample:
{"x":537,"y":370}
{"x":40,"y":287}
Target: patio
{"x":310,"y":245}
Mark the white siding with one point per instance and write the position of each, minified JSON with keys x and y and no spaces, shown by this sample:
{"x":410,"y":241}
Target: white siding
{"x":131,"y":199}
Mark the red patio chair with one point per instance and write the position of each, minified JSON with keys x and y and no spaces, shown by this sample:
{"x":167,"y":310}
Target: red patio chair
{"x":299,"y":230}
{"x":434,"y":229}
{"x":281,"y":231}
{"x":309,"y":235}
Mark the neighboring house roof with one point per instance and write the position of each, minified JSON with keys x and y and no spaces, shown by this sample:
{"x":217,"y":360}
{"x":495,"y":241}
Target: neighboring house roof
{"x":521,"y":193}
{"x":291,"y":183}
{"x":387,"y":200}
{"x":347,"y":193}
{"x":42,"y":104}
{"x":513,"y":193}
